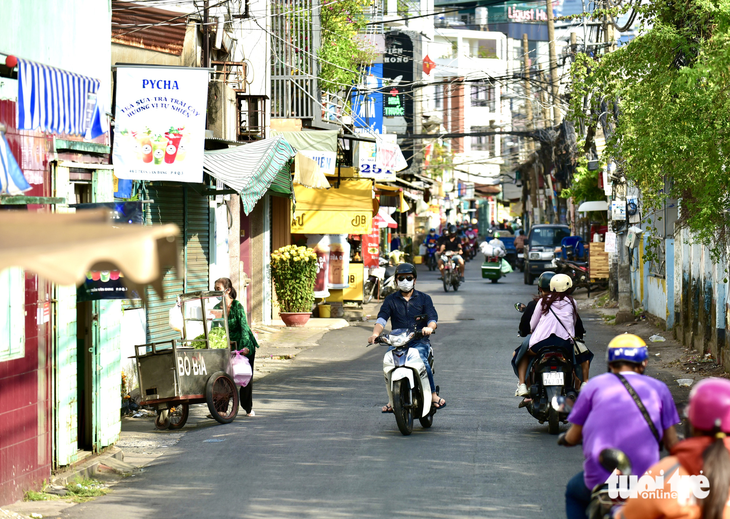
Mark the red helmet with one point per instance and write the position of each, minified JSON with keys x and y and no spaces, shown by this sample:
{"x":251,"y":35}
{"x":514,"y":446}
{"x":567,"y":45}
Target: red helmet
{"x":709,"y":405}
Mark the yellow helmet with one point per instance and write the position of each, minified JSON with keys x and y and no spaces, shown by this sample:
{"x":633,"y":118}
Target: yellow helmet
{"x":627,"y":348}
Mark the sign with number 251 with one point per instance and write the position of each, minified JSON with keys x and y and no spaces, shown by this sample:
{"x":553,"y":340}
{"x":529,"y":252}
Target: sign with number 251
{"x":369,"y":169}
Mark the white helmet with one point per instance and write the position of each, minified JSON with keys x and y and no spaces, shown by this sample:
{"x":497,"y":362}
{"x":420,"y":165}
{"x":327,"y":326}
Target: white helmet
{"x":560,"y":283}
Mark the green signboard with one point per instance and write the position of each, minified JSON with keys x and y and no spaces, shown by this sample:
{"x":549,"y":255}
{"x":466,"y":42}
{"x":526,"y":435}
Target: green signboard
{"x":517,"y":12}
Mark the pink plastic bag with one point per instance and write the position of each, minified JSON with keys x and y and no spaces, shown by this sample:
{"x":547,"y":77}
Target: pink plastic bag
{"x":242,"y":371}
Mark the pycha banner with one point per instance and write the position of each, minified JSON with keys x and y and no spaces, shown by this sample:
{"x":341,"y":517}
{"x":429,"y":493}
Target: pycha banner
{"x":160,"y":123}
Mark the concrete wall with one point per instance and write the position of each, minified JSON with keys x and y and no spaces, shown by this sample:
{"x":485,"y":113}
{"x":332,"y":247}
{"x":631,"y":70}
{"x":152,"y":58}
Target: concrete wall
{"x":701,"y":299}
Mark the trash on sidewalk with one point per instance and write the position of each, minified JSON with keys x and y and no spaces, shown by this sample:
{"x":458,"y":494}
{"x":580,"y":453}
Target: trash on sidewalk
{"x":657,"y":354}
{"x":657,"y":338}
{"x":685,"y":382}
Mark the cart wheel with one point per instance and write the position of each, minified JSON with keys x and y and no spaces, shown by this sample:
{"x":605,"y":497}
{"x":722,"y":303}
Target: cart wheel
{"x":221,"y":395}
{"x":162,"y":420}
{"x":178,"y":416}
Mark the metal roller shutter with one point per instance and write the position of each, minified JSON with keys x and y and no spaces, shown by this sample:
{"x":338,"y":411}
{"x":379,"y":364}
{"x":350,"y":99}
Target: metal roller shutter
{"x":168,"y":207}
{"x":197,"y":236}
{"x":190,"y":211}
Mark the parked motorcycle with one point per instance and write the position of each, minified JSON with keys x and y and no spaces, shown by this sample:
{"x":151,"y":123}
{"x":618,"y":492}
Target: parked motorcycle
{"x":578,"y":272}
{"x":550,"y":379}
{"x":383,"y":278}
{"x":451,"y":272}
{"x":406,"y":380}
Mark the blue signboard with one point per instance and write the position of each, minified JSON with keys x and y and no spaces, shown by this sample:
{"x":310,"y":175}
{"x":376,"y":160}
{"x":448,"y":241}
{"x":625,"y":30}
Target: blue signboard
{"x":367,"y":101}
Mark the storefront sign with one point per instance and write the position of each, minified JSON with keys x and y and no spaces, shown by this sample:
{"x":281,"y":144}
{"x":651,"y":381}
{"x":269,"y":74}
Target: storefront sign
{"x":108,"y":284}
{"x":371,"y":248}
{"x":160,"y":123}
{"x":326,"y":160}
{"x":368,"y":163}
{"x":350,"y":222}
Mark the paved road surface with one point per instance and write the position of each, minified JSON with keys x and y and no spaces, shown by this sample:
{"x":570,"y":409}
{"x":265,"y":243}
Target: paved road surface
{"x":319,"y":446}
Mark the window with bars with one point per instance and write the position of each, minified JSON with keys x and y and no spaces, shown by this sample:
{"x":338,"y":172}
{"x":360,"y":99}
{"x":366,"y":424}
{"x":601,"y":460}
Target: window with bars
{"x":482,"y":94}
{"x":251,"y":121}
{"x":482,"y":142}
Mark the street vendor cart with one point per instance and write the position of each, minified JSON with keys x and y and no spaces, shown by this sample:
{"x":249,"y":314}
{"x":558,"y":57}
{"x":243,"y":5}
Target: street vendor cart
{"x":194,"y":369}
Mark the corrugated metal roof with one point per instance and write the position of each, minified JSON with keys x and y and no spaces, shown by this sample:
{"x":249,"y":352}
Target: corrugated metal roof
{"x":148,"y":28}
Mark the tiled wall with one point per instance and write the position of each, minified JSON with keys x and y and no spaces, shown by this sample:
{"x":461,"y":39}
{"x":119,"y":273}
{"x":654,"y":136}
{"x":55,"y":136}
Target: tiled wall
{"x":25,"y":410}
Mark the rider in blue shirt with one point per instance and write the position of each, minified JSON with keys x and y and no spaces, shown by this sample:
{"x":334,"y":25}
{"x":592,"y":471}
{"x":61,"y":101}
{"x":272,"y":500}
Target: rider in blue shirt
{"x":402,"y":308}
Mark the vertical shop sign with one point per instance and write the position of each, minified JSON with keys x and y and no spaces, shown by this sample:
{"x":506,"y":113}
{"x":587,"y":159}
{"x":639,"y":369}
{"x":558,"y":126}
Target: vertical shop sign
{"x":339,"y":261}
{"x":160,"y":123}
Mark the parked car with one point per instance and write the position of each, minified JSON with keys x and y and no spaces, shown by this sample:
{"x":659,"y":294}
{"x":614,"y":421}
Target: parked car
{"x":540,"y":249}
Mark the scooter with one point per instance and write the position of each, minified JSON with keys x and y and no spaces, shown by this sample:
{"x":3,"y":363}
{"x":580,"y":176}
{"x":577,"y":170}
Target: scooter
{"x":550,"y":377}
{"x":406,"y":380}
{"x":451,"y":272}
{"x":382,"y":277}
{"x":431,"y":261}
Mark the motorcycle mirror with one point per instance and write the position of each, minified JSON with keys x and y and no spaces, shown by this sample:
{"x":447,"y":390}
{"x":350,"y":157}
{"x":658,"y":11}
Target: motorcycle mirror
{"x":615,"y":459}
{"x":520,"y":307}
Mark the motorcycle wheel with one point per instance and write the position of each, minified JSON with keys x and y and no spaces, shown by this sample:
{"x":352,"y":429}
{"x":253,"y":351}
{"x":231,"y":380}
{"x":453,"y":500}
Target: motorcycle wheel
{"x":553,"y":421}
{"x":447,"y":281}
{"x":455,"y":282}
{"x":403,"y":413}
{"x":494,"y":280}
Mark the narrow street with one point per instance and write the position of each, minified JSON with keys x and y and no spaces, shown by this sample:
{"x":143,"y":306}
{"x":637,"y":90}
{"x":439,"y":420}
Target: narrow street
{"x":320,"y":447}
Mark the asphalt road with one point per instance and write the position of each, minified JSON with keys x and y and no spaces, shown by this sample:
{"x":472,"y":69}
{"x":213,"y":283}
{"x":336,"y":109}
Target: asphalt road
{"x":319,"y":446}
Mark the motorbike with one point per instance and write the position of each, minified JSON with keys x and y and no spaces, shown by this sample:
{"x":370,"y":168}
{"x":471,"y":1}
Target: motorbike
{"x":406,"y":380}
{"x":451,"y":272}
{"x":431,"y":261}
{"x":520,"y":261}
{"x":382,"y":277}
{"x":550,"y":378}
{"x":602,"y":505}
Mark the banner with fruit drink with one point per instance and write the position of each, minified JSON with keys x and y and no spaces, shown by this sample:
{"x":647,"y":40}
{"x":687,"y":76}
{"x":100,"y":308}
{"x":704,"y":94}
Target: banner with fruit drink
{"x":109,"y":284}
{"x":159,"y":131}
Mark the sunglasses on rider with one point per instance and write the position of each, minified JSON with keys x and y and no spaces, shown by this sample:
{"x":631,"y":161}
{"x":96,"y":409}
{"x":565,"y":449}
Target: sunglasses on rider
{"x":405,"y":278}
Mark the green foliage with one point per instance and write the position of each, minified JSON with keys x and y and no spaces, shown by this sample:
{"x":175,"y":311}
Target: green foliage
{"x":584,"y":188}
{"x":440,"y":161}
{"x":294,"y":270}
{"x":342,"y":51}
{"x":671,"y":137}
{"x":85,"y":489}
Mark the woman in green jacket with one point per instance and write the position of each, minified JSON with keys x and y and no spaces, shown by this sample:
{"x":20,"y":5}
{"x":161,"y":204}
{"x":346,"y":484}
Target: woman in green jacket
{"x":240,"y":334}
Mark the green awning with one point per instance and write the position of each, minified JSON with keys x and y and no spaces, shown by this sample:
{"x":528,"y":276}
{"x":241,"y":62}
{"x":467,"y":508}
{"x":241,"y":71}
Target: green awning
{"x":253,"y":169}
{"x":319,"y":140}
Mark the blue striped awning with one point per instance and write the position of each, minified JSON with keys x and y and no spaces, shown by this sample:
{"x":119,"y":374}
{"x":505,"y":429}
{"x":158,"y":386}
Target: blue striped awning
{"x":54,"y":100}
{"x":253,"y":169}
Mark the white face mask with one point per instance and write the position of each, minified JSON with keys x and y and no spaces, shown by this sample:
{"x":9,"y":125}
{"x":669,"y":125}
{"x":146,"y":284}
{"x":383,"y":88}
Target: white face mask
{"x":405,"y":286}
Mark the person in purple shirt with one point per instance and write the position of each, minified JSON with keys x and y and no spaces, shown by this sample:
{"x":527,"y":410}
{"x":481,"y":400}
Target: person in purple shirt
{"x":606,"y":416}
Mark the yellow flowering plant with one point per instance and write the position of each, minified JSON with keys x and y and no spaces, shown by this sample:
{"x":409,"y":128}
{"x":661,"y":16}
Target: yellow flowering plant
{"x":294,"y":270}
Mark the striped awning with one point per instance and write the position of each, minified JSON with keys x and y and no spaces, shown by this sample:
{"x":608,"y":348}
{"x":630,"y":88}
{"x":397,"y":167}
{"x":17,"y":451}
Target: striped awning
{"x":253,"y":169}
{"x":55,"y":100}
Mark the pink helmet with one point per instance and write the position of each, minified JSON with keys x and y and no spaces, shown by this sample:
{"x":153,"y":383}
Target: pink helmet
{"x":709,"y":405}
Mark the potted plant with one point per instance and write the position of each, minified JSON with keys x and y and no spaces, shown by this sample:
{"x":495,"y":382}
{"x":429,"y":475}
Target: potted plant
{"x":294,"y":270}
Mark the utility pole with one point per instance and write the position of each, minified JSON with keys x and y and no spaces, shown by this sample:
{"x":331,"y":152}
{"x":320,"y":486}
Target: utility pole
{"x":536,"y":212}
{"x":544,"y":98}
{"x":557,"y":117}
{"x":206,"y":36}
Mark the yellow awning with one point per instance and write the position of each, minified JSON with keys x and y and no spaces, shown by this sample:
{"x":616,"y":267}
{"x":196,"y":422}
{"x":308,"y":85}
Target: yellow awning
{"x":346,"y":210}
